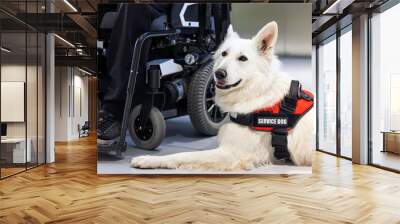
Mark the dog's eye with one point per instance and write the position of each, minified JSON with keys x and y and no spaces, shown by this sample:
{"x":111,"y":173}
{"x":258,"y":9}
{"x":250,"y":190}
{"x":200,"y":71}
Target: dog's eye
{"x":242,"y":58}
{"x":224,"y":53}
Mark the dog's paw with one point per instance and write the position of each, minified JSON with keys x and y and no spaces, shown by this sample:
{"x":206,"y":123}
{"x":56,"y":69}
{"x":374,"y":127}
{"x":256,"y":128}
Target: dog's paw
{"x":145,"y":162}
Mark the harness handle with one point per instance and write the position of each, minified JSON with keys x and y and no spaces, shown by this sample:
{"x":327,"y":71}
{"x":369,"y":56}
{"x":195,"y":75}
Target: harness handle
{"x":279,"y":135}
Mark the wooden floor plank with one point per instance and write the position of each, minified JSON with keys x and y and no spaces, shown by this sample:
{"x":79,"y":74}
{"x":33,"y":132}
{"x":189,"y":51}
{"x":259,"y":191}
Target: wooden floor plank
{"x":70,"y":191}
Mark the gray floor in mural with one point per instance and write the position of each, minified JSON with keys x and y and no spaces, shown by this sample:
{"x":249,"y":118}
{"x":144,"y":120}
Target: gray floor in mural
{"x":181,"y":137}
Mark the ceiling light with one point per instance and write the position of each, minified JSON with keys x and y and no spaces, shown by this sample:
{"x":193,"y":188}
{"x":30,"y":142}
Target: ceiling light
{"x":337,"y":7}
{"x":79,"y":51}
{"x":70,"y":5}
{"x":84,"y":71}
{"x":329,"y":9}
{"x":5,"y":50}
{"x":65,"y":41}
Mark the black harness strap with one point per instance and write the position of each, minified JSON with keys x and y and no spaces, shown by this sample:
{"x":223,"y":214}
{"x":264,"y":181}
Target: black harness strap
{"x":279,"y":135}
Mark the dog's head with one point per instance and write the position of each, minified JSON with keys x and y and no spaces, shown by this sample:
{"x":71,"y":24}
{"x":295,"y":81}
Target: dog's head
{"x":239,"y":61}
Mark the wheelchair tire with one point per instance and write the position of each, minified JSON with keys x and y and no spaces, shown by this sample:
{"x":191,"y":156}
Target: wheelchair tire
{"x":203,"y":112}
{"x":152,"y":133}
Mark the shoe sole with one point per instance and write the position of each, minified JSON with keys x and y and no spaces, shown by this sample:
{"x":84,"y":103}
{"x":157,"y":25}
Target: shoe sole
{"x":103,"y":142}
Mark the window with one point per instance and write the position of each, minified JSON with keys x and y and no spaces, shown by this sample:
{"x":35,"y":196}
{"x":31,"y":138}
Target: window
{"x":346,"y":93}
{"x":327,"y":96}
{"x":385,"y":89}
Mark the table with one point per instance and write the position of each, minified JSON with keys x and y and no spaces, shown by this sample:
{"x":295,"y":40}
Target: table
{"x":391,"y":141}
{"x":13,"y":150}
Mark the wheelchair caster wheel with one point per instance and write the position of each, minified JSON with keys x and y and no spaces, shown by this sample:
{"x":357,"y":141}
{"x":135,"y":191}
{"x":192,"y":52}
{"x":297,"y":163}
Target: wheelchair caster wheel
{"x":150,"y":135}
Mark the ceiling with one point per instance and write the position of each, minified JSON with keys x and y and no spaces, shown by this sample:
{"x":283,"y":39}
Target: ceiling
{"x":74,"y":26}
{"x":75,"y":21}
{"x":332,"y":15}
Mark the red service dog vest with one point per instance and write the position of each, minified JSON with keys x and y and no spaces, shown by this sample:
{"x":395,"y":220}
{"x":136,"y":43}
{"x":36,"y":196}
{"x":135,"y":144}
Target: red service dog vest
{"x":280,"y":118}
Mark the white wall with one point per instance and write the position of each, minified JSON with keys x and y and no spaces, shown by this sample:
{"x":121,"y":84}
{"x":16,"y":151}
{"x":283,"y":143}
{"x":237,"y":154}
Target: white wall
{"x":299,"y":68}
{"x":71,"y":102}
{"x":33,"y":126}
{"x":61,"y":103}
{"x":14,"y":72}
{"x":294,"y":24}
{"x":17,"y":73}
{"x":80,"y":111}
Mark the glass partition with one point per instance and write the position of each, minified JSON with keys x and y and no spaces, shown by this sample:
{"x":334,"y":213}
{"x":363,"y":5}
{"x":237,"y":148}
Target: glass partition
{"x":32,"y":97}
{"x":385,"y":89}
{"x":15,"y":149}
{"x":327,"y":96}
{"x":22,"y":77}
{"x":41,"y":97}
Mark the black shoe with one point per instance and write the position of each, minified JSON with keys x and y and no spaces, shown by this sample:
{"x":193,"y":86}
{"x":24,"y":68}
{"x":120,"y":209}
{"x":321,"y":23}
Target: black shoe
{"x":108,"y":128}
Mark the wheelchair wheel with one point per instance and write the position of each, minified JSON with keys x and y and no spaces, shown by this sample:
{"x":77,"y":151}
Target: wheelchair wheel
{"x":150,"y":135}
{"x":205,"y":115}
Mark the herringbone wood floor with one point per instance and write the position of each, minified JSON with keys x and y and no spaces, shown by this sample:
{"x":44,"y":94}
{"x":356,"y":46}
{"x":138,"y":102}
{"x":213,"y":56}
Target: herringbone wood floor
{"x":70,"y":191}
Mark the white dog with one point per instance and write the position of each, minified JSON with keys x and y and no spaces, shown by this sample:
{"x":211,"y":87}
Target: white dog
{"x":256,"y":83}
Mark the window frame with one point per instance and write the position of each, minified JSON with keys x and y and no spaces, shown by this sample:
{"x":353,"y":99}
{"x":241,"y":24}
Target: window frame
{"x":334,"y":37}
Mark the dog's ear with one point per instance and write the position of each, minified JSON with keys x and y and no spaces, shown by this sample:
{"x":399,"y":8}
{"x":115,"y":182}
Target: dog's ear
{"x":266,"y":37}
{"x":230,"y":32}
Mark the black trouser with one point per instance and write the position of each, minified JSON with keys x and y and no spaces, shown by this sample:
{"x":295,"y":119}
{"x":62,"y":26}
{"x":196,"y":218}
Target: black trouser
{"x":132,"y":21}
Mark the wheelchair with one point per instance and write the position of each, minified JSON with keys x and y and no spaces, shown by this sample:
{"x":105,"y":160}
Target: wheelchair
{"x":83,"y":131}
{"x":178,"y":77}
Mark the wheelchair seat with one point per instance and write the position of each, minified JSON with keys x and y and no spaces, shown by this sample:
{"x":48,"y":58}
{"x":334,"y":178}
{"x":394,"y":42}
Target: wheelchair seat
{"x":109,"y":18}
{"x":160,"y":23}
{"x":183,"y":16}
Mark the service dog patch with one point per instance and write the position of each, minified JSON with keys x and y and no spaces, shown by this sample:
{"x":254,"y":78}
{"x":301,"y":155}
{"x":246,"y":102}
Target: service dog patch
{"x":262,"y":121}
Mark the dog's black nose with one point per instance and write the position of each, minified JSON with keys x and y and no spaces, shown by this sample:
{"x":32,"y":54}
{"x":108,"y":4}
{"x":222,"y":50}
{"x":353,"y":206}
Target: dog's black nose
{"x":221,"y":73}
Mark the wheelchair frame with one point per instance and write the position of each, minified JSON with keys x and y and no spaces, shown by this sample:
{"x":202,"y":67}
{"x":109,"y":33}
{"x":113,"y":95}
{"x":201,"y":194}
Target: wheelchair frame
{"x":121,"y":145}
{"x":153,"y":77}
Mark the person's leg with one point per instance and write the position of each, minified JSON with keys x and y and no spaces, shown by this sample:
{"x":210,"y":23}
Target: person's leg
{"x":132,"y":21}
